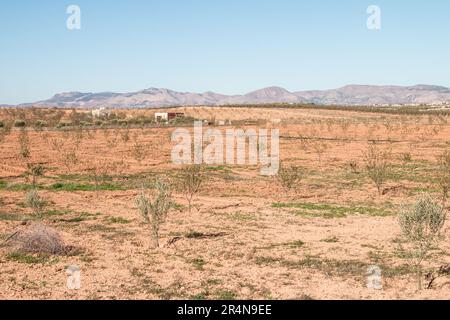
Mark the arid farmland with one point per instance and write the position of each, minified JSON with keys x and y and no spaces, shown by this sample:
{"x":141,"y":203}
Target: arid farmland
{"x":247,"y":236}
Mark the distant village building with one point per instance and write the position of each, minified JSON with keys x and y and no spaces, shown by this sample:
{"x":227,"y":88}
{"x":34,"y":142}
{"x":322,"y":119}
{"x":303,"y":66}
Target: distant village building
{"x":167,"y":116}
{"x":100,"y":112}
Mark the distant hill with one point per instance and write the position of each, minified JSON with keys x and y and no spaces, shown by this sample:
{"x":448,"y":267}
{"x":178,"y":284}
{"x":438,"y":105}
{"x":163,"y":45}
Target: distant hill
{"x":348,"y":95}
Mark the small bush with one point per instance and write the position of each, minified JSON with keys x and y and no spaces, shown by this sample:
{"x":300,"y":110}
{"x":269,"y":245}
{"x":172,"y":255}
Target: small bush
{"x":35,"y":171}
{"x":377,"y":165}
{"x":139,"y":151}
{"x":2,"y":124}
{"x":85,"y":124}
{"x":24,"y":144}
{"x":40,"y":124}
{"x":443,"y":176}
{"x":190,"y":182}
{"x":289,"y":176}
{"x":63,"y":124}
{"x":20,"y":124}
{"x":421,"y":226}
{"x":154,"y":209}
{"x":406,"y":157}
{"x":353,"y":166}
{"x":34,"y":201}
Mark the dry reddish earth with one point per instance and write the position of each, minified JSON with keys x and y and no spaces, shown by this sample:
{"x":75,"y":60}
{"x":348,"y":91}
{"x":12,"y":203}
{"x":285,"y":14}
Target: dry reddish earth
{"x":264,"y":251}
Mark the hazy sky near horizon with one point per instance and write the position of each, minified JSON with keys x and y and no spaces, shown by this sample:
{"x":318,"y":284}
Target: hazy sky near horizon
{"x":227,"y":46}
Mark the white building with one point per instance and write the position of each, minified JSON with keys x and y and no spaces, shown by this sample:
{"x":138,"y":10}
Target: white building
{"x":101,"y":112}
{"x":161,"y":116}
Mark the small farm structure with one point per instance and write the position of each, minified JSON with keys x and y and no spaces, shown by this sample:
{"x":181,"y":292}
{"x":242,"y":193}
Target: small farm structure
{"x":167,"y":116}
{"x":101,"y":112}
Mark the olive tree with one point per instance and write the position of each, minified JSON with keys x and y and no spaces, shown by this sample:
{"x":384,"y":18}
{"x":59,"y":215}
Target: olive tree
{"x":443,"y":176}
{"x":377,"y":165}
{"x":289,"y":176}
{"x":190,"y":182}
{"x":154,"y":208}
{"x":421,"y":226}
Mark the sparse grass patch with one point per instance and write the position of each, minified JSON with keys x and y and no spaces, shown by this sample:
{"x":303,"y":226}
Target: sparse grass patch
{"x":118,"y":220}
{"x":194,"y":235}
{"x":72,"y":187}
{"x":295,"y":244}
{"x":94,"y":228}
{"x":27,"y":258}
{"x":200,"y":296}
{"x":225,"y":295}
{"x":333,"y":267}
{"x":56,"y":213}
{"x":268,"y":260}
{"x":14,"y":217}
{"x":329,"y":211}
{"x":198,"y":263}
{"x":239,"y":216}
{"x":82,"y":216}
{"x":332,"y":239}
{"x":292,"y":245}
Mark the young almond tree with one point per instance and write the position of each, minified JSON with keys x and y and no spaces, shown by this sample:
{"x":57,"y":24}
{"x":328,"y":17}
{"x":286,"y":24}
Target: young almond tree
{"x":34,"y":201}
{"x":289,"y":176}
{"x":421,"y":226}
{"x":154,"y":209}
{"x":190,"y":182}
{"x":443,"y":176}
{"x":377,"y":165}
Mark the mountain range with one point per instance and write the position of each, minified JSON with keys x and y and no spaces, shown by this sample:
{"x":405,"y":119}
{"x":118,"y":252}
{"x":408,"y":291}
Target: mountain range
{"x":348,"y":95}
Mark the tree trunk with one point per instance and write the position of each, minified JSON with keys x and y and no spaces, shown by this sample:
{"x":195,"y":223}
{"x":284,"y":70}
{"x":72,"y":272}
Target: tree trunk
{"x":419,"y":277}
{"x":155,"y":238}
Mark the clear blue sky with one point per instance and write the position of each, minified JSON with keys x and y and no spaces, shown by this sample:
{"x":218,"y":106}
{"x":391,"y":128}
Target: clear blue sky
{"x":227,"y":46}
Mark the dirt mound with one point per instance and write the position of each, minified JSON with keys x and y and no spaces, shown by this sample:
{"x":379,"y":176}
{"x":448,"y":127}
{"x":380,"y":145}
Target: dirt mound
{"x":37,"y":238}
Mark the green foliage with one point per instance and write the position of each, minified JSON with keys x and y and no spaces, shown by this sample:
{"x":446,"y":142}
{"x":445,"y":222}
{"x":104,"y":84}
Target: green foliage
{"x":377,"y":165}
{"x":34,"y":201}
{"x":443,"y":175}
{"x":421,"y":227}
{"x":24,"y":144}
{"x":26,"y":258}
{"x":190,"y":182}
{"x":35,"y":171}
{"x":289,"y":176}
{"x":20,"y":124}
{"x":330,"y":210}
{"x":40,"y":124}
{"x":154,"y":209}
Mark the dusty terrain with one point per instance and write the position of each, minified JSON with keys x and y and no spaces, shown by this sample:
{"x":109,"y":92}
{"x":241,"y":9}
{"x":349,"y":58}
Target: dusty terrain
{"x":246,"y":238}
